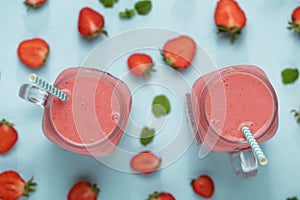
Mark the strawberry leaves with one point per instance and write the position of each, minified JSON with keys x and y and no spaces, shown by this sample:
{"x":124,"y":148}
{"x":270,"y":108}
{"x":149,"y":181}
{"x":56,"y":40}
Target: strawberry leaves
{"x":233,"y":32}
{"x":294,"y":26}
{"x":29,"y":187}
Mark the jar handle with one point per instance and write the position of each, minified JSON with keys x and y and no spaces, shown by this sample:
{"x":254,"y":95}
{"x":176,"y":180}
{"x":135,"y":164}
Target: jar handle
{"x":33,"y":94}
{"x":244,"y":163}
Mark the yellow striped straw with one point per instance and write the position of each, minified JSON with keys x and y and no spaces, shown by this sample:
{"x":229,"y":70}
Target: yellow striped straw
{"x":48,"y":87}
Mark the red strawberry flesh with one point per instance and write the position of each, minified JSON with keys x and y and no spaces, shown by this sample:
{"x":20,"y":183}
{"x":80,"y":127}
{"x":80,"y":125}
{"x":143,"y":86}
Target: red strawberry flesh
{"x":203,"y":186}
{"x":8,"y":136}
{"x":90,"y":22}
{"x":179,"y":52}
{"x":145,"y":162}
{"x":33,"y":52}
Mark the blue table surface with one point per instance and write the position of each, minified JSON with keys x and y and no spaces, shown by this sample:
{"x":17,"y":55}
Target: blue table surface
{"x":265,"y":42}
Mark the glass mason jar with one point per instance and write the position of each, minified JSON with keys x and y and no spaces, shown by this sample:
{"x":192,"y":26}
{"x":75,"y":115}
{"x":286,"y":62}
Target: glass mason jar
{"x":222,"y":102}
{"x":93,"y":119}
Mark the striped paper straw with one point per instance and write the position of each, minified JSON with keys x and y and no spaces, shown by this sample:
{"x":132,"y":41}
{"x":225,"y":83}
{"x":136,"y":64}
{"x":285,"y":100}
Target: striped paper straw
{"x":255,"y":147}
{"x":48,"y":87}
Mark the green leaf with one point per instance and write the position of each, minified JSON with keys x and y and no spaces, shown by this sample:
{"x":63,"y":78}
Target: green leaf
{"x":289,"y":75}
{"x":143,"y":7}
{"x":128,"y":13}
{"x":108,"y":3}
{"x":292,"y":198}
{"x":160,"y":106}
{"x":147,"y":136}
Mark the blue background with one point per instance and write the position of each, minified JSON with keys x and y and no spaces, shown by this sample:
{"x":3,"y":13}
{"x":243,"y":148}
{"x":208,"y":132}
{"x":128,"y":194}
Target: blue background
{"x":265,"y":42}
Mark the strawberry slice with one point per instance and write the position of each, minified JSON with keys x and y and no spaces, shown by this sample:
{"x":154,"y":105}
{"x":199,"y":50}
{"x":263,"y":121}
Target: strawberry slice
{"x":33,"y":52}
{"x":34,"y":3}
{"x":83,"y":191}
{"x":140,"y":64}
{"x":203,"y":186}
{"x":12,"y":186}
{"x":8,"y":136}
{"x":145,"y":162}
{"x":161,"y":196}
{"x":230,"y":18}
{"x":179,"y":52}
{"x":295,"y":23}
{"x":90,"y":23}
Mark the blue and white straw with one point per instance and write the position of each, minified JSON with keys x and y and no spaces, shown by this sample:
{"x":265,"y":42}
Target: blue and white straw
{"x":48,"y":87}
{"x":255,"y":147}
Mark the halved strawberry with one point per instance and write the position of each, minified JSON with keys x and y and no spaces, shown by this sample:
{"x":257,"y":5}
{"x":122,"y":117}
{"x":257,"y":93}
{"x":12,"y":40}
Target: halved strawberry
{"x":8,"y":136}
{"x":83,"y":191}
{"x":12,"y":186}
{"x":179,"y":52}
{"x":161,"y":196}
{"x":230,"y":18}
{"x":140,"y":64}
{"x":145,"y":162}
{"x":90,"y":23}
{"x":203,"y":186}
{"x":33,"y":52}
{"x":295,"y":23}
{"x":34,"y":3}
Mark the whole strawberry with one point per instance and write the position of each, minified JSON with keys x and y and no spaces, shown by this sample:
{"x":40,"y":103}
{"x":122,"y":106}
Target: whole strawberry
{"x":33,"y":52}
{"x":83,"y":191}
{"x":203,"y":186}
{"x":8,"y":136}
{"x":90,"y":23}
{"x":161,"y":196}
{"x":179,"y":52}
{"x":230,"y":18}
{"x":12,"y":186}
{"x":140,"y":64}
{"x":34,"y":3}
{"x":295,"y":23}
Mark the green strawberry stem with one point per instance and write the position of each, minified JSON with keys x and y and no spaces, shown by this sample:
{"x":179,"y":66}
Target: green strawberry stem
{"x":29,"y":187}
{"x":154,"y":196}
{"x":234,"y":32}
{"x":149,"y":70}
{"x":95,"y":189}
{"x":297,"y":115}
{"x":4,"y":122}
{"x":294,"y":26}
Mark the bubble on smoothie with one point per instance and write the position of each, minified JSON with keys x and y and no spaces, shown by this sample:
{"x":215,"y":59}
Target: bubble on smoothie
{"x":115,"y":116}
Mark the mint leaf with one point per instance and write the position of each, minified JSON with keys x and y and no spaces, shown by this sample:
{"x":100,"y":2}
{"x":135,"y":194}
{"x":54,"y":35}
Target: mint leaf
{"x":108,"y":3}
{"x":143,"y":7}
{"x":292,"y":198}
{"x":128,"y":13}
{"x":160,"y":106}
{"x":147,"y":136}
{"x":289,"y":75}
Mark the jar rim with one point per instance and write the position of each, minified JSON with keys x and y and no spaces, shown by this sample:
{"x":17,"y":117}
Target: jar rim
{"x":104,"y":76}
{"x":254,"y":72}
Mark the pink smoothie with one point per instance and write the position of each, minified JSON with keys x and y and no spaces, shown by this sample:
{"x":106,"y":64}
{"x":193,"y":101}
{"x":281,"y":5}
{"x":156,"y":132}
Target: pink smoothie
{"x":93,"y":119}
{"x":225,"y":100}
{"x":247,"y":102}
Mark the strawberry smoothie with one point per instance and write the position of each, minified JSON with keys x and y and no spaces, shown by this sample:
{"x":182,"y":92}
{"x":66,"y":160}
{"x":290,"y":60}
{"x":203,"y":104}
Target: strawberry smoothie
{"x":93,"y":119}
{"x":225,"y":100}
